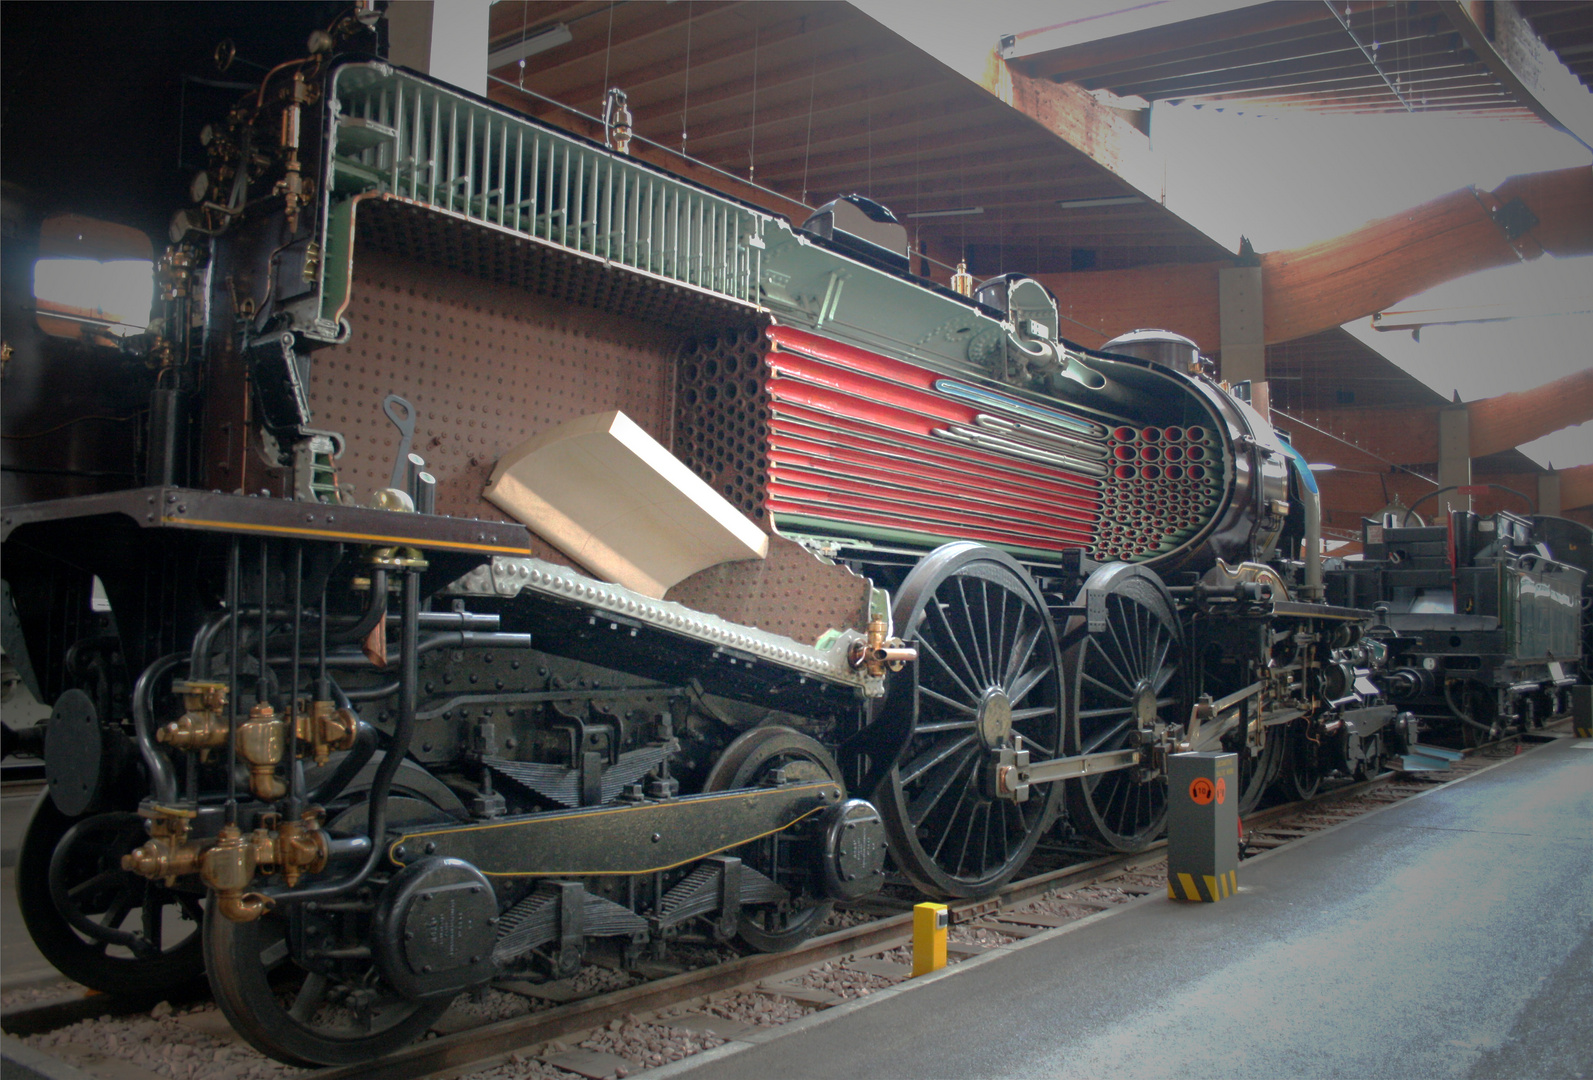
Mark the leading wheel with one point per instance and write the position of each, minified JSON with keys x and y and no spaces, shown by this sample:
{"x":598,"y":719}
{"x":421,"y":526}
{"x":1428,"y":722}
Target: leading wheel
{"x":107,"y":928}
{"x":1126,"y":681}
{"x":763,"y":755}
{"x":322,"y":1003}
{"x":986,"y":675}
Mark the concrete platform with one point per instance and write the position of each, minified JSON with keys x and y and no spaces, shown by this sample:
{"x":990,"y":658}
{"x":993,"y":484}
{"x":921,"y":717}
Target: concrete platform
{"x":1449,"y":935}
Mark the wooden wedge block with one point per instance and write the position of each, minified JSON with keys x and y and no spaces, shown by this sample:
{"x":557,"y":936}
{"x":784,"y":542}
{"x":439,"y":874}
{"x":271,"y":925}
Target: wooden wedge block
{"x":608,"y":495}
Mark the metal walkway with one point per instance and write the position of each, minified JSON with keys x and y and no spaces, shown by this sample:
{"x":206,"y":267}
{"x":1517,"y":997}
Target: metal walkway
{"x":1450,"y":935}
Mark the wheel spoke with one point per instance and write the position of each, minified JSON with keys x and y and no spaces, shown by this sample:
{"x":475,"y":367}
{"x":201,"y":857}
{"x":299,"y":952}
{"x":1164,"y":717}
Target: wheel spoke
{"x":1023,"y":648}
{"x":308,"y":998}
{"x":1027,"y":681}
{"x":1096,"y":714}
{"x":944,"y":778}
{"x":117,"y":911}
{"x":1124,"y":671}
{"x":1106,"y":736}
{"x":104,"y":877}
{"x":944,"y":725}
{"x":932,"y":757}
{"x":153,"y":916}
{"x":1093,"y":681}
{"x":946,"y":701}
{"x":973,"y":635}
{"x":951,"y":636}
{"x":929,"y":650}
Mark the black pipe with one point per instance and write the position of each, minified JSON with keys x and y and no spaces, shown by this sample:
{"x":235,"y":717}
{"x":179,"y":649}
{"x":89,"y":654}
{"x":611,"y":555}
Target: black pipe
{"x":373,"y":614}
{"x":397,"y":747}
{"x":162,"y":775}
{"x":291,"y":706}
{"x":234,"y":572}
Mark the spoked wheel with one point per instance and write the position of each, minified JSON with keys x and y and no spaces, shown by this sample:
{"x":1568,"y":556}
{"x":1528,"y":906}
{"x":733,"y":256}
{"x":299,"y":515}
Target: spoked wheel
{"x":1303,"y":768}
{"x":332,"y":1008}
{"x":986,"y":674}
{"x":1259,"y":771}
{"x":105,"y":927}
{"x":1125,"y":680}
{"x":752,"y":759}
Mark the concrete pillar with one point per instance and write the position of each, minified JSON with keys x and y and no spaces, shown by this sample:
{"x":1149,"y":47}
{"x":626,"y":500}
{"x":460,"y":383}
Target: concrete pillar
{"x":446,"y":39}
{"x":1454,"y":456}
{"x":1549,"y":494}
{"x":1244,"y":343}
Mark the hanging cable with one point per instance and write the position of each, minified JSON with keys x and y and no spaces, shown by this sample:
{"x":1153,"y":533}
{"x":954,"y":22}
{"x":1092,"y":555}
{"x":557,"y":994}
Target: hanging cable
{"x":752,"y":146}
{"x":685,"y":97}
{"x":813,"y":75}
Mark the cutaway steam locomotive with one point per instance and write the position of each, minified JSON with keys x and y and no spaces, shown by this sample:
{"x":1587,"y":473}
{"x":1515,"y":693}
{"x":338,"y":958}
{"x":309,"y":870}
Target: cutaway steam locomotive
{"x":350,"y":740}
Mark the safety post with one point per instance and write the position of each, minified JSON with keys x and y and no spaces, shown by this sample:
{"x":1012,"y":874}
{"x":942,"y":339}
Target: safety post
{"x":1582,"y":710}
{"x":1202,"y":826}
{"x":929,"y":938}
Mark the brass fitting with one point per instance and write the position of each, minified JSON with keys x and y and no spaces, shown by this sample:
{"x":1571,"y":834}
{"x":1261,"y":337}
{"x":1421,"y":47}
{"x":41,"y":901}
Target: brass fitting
{"x":261,"y":739}
{"x":876,"y":654}
{"x":168,"y":853}
{"x":325,"y":728}
{"x":301,"y":847}
{"x":202,"y":727}
{"x":397,"y":558}
{"x":228,"y":868}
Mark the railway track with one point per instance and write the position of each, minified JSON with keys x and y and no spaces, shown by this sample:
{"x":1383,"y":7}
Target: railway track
{"x":623,"y":1030}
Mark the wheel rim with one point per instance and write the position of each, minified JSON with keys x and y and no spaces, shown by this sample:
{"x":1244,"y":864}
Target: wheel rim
{"x":344,"y":1016}
{"x":342,"y":1013}
{"x":1258,"y":772}
{"x":752,"y":757}
{"x":1303,"y":771}
{"x":1125,"y":680}
{"x":80,"y":860}
{"x":986,"y":675}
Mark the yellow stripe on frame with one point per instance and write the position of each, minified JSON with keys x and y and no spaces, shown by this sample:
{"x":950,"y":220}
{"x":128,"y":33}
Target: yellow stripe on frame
{"x":366,"y":538}
{"x":1233,"y":877}
{"x":1171,"y":895}
{"x":1211,"y":886}
{"x":1191,"y":892}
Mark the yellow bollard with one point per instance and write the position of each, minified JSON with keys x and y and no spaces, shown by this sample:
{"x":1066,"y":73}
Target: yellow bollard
{"x":929,"y":938}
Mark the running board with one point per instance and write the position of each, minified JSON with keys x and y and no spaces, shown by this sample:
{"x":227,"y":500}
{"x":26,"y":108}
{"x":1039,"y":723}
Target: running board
{"x":1423,"y":758}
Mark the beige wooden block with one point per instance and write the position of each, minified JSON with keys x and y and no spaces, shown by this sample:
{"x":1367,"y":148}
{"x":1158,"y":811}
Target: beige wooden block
{"x":608,"y":495}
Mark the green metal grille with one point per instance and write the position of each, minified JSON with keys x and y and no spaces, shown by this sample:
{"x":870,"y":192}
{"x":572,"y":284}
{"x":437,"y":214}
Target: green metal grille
{"x":396,"y":134}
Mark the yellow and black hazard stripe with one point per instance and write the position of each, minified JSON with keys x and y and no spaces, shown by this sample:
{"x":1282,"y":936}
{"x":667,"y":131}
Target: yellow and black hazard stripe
{"x":1216,"y":887}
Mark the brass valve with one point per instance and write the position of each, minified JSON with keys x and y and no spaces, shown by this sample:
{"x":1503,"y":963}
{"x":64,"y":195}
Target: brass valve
{"x":201,"y":727}
{"x":325,"y":728}
{"x":168,"y":853}
{"x":261,"y":740}
{"x":877,"y":654}
{"x":228,"y":868}
{"x":301,"y":847}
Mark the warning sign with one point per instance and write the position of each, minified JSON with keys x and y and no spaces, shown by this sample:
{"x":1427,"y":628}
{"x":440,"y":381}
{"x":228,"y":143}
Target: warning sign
{"x":1201,"y":791}
{"x":1222,"y":790}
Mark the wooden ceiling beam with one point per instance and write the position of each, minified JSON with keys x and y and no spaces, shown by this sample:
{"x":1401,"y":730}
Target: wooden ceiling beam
{"x":1072,"y":114}
{"x":1281,"y":15}
{"x":1503,"y":39}
{"x":637,"y":24}
{"x":798,"y":34}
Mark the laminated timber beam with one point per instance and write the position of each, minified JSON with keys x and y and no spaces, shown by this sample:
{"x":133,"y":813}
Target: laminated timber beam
{"x":1503,"y":40}
{"x":1410,"y":436}
{"x":1311,"y":289}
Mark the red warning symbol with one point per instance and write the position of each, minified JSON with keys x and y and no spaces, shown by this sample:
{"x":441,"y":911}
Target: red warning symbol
{"x":1201,"y":791}
{"x":1222,"y":790}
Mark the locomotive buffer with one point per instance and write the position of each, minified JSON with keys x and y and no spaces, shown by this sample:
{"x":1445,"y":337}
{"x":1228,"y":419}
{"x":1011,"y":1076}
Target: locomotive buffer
{"x":1202,"y":826}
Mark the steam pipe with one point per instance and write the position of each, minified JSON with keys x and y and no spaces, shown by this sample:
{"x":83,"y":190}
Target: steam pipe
{"x":1312,"y":497}
{"x":162,"y":776}
{"x":397,"y":747}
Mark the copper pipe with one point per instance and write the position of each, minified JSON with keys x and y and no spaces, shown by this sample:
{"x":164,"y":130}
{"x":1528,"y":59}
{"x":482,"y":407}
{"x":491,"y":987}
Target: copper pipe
{"x":1173,"y":434}
{"x":1150,"y":434}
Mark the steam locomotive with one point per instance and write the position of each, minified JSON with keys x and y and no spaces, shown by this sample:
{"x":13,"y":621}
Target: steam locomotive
{"x":411,"y":656}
